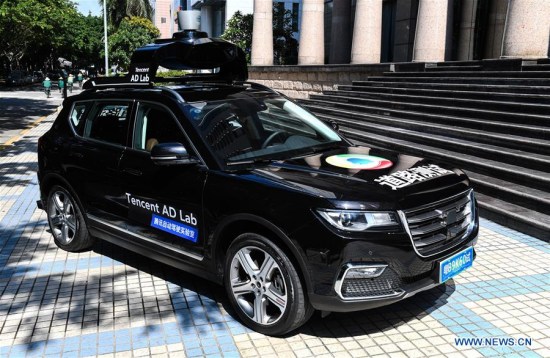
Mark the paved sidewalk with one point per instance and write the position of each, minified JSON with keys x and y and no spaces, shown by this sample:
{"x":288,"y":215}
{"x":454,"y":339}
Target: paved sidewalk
{"x":108,"y":302}
{"x":20,"y":107}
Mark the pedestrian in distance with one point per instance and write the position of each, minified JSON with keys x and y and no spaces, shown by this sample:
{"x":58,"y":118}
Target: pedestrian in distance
{"x":70,"y":81}
{"x":47,"y":84}
{"x":60,"y":84}
{"x":79,"y":79}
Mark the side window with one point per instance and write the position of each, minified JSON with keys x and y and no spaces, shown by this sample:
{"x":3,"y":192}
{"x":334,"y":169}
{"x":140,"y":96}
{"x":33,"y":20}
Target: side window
{"x":78,"y":116}
{"x":155,"y":124}
{"x":108,"y":122}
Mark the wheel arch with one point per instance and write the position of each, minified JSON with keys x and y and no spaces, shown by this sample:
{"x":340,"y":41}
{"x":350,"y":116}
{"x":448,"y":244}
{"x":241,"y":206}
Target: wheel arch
{"x":238,"y":224}
{"x":51,"y":179}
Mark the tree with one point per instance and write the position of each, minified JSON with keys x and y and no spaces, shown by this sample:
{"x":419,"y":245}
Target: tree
{"x":239,"y":31}
{"x":285,"y":47}
{"x":117,"y":10}
{"x":33,"y":28}
{"x":84,"y":45}
{"x":34,"y":33}
{"x":133,"y":32}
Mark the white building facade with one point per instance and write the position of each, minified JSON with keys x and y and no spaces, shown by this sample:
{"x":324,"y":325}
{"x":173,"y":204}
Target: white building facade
{"x":374,"y":31}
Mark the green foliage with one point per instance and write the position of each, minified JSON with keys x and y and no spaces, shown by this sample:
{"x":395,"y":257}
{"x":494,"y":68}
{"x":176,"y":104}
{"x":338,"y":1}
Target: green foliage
{"x":26,"y":24}
{"x":82,"y":40}
{"x":117,"y":10}
{"x":133,"y":32}
{"x":172,"y":73}
{"x":239,"y":31}
{"x":36,"y":32}
{"x":285,"y":46}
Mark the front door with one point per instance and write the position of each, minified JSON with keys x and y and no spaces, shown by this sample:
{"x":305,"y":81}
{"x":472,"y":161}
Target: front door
{"x":163,"y":203}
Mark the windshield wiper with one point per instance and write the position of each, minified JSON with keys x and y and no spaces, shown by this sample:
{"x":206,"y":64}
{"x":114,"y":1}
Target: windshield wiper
{"x":249,"y":161}
{"x":320,"y":148}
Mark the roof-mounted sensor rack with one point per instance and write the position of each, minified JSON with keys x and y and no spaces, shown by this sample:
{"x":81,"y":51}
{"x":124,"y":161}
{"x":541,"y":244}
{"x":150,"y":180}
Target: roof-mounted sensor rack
{"x":208,"y":60}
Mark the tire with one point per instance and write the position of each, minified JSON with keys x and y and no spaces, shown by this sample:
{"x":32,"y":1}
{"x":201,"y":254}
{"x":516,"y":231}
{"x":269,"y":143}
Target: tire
{"x":66,"y":221}
{"x":263,"y":286}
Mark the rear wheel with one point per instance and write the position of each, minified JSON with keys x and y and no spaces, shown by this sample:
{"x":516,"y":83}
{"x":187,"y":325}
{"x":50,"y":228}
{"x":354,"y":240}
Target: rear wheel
{"x":264,"y":287}
{"x":66,"y":221}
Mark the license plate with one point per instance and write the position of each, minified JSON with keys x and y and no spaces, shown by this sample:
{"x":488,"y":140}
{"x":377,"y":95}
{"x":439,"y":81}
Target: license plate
{"x":455,"y":264}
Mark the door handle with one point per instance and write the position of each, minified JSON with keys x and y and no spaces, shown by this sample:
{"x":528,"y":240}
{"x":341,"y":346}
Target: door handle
{"x":133,"y":171}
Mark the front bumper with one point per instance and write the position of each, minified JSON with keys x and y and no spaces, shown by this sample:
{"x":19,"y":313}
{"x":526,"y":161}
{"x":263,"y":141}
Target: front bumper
{"x":375,"y":292}
{"x":387,"y":288}
{"x":433,"y":233}
{"x":337,"y":304}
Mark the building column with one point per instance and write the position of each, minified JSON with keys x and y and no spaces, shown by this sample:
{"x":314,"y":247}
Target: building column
{"x":340,"y":44}
{"x":495,"y":28}
{"x":367,"y":32}
{"x":430,"y":43}
{"x":262,"y":34}
{"x":527,"y":29}
{"x":466,"y":36}
{"x":312,"y":33}
{"x":206,"y":20}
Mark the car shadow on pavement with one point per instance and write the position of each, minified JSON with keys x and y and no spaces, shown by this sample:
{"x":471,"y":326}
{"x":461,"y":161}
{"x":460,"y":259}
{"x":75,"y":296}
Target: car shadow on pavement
{"x":183,"y":279}
{"x":118,"y":289}
{"x":50,"y":299}
{"x":336,"y":325}
{"x":339,"y":325}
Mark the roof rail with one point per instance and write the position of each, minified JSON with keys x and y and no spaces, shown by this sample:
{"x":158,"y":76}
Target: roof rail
{"x":112,"y":82}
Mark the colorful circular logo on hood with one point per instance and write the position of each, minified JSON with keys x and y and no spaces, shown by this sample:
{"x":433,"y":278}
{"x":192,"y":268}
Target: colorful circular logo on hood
{"x":359,"y":161}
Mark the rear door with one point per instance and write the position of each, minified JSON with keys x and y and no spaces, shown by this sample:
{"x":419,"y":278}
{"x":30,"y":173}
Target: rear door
{"x":163,"y":203}
{"x":92,"y":161}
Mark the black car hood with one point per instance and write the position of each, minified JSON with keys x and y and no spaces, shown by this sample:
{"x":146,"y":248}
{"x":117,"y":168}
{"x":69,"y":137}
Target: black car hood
{"x":393,"y":178}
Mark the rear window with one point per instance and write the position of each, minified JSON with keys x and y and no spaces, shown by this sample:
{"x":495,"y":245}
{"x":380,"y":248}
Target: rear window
{"x":108,"y":122}
{"x":78,"y":115}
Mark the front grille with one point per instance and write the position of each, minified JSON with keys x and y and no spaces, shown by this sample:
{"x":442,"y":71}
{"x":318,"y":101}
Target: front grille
{"x":387,"y":284}
{"x":442,"y":225}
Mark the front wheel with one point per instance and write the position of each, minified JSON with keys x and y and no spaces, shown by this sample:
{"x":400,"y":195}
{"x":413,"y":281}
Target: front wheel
{"x":67,"y":224}
{"x":264,"y":287}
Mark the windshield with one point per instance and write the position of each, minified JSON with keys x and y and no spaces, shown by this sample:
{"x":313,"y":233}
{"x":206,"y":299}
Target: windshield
{"x":248,"y":126}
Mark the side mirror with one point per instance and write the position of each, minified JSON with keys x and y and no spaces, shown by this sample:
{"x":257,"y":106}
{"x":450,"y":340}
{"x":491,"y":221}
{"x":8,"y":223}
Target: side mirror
{"x":171,"y":154}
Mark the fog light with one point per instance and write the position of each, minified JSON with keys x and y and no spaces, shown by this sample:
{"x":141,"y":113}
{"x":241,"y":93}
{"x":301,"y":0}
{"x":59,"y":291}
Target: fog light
{"x":365,"y":271}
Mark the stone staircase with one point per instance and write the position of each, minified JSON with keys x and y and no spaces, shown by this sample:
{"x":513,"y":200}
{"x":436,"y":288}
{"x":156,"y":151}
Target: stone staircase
{"x":494,"y":124}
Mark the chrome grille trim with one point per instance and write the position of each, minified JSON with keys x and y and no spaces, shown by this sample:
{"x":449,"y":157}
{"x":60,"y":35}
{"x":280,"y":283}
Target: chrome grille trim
{"x":342,"y":277}
{"x":432,"y":215}
{"x":433,"y":219}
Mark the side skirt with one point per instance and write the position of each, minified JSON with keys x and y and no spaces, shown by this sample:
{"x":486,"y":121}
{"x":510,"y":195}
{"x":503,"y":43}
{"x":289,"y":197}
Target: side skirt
{"x":180,"y":259}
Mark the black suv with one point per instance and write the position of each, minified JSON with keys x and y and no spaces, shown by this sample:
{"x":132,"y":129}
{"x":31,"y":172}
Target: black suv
{"x":238,"y":184}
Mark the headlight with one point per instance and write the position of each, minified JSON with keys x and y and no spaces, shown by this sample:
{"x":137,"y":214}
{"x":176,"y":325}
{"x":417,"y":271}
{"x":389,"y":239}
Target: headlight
{"x":349,"y":220}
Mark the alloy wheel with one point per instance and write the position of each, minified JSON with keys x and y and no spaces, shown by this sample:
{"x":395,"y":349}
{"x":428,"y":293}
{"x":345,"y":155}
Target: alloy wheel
{"x":258,"y":285}
{"x":61,"y":213}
